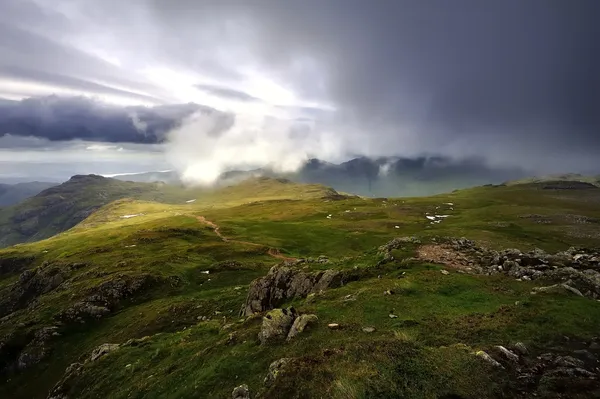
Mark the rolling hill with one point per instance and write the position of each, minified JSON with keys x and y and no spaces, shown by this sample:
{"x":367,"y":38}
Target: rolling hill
{"x":290,"y":290}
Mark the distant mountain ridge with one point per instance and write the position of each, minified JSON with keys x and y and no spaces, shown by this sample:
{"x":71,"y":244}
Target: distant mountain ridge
{"x":11,"y":194}
{"x":372,"y":177}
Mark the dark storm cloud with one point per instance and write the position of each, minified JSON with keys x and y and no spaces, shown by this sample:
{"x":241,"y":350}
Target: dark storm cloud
{"x":227,"y":93}
{"x":68,"y":118}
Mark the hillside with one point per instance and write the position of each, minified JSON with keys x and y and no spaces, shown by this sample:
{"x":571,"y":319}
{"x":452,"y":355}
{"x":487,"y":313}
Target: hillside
{"x":574,"y":177}
{"x":61,"y":207}
{"x":11,"y":194}
{"x":296,"y":291}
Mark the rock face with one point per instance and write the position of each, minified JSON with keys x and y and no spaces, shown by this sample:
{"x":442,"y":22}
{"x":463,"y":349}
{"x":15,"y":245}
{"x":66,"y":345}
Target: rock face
{"x":282,"y":283}
{"x":276,"y":325}
{"x":301,"y":323}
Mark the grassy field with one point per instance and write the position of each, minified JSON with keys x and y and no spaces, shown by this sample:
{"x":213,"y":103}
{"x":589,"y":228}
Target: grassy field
{"x":426,"y":352}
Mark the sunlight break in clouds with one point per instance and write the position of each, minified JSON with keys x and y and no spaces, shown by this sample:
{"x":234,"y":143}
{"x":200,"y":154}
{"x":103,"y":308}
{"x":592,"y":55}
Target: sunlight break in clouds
{"x":200,"y":155}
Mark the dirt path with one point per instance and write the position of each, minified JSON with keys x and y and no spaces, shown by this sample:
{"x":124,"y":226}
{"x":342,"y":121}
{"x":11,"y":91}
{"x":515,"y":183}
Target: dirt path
{"x":273,"y":252}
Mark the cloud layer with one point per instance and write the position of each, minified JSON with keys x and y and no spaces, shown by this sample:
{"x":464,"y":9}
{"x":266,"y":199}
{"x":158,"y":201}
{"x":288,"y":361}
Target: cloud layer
{"x":513,"y":82}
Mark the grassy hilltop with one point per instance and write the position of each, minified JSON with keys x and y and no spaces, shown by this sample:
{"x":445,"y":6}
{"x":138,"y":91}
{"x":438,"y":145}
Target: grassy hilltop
{"x":164,"y":271}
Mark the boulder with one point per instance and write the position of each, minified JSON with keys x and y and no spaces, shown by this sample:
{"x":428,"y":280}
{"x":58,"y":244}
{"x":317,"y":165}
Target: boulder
{"x":241,"y":392}
{"x":301,"y":323}
{"x":276,"y":325}
{"x":282,"y":283}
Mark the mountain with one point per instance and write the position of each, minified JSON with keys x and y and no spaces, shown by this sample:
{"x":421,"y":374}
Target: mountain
{"x":287,"y":290}
{"x":391,"y":177}
{"x":572,"y":177}
{"x":61,"y":207}
{"x":169,"y":177}
{"x":13,"y":193}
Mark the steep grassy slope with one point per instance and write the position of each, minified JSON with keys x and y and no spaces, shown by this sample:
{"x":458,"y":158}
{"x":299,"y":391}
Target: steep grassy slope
{"x":170,"y":276}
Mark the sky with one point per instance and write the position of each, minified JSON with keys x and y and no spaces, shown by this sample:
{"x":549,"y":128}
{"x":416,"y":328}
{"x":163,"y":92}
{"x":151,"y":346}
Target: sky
{"x":513,"y":82}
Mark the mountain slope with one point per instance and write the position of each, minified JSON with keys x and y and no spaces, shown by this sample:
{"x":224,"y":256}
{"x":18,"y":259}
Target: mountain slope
{"x":11,"y":194}
{"x":408,"y":316}
{"x":61,"y":207}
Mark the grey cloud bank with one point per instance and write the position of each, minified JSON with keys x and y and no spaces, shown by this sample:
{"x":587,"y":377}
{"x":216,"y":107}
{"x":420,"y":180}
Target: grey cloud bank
{"x":513,"y":83}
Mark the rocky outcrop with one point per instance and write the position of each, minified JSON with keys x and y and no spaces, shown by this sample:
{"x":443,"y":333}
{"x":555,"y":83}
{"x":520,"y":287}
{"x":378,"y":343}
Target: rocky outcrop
{"x":576,"y":270}
{"x":31,"y":284}
{"x":283,"y":283}
{"x":102,"y":299}
{"x":62,"y":387}
{"x":396,"y":243}
{"x":20,"y":351}
{"x":558,"y":374}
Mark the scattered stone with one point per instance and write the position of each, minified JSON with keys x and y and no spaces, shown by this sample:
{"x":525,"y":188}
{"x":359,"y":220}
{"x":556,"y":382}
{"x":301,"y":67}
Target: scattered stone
{"x":241,"y":392}
{"x":556,"y":288}
{"x":388,"y":292}
{"x":102,"y":350}
{"x":301,"y":323}
{"x":368,"y":329}
{"x":392,"y":316}
{"x":445,"y":272}
{"x":333,"y":326}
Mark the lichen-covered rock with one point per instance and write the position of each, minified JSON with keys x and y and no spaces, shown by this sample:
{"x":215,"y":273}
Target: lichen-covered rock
{"x":283,"y":283}
{"x":276,"y":368}
{"x":241,"y":392}
{"x":301,"y":323}
{"x":276,"y":325}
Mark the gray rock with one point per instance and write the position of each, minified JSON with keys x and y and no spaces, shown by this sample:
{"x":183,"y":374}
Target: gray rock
{"x":487,"y":358}
{"x":506,"y":354}
{"x":301,"y":323}
{"x":276,"y":325}
{"x":368,"y":329}
{"x":282,"y":283}
{"x":241,"y":392}
{"x":102,"y":350}
{"x":521,"y":348}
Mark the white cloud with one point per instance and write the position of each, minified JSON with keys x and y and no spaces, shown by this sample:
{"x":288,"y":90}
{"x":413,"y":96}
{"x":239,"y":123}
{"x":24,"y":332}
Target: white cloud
{"x":253,"y":141}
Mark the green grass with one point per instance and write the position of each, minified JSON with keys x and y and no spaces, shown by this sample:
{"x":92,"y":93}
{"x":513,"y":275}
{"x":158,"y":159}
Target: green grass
{"x":426,"y":352}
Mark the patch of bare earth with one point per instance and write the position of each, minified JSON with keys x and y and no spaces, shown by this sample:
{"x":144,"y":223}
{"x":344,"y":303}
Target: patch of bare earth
{"x":448,"y":256}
